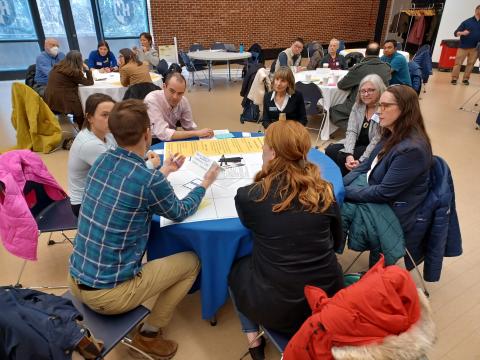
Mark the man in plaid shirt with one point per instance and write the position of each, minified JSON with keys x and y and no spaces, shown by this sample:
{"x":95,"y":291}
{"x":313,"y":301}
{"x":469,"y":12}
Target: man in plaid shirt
{"x":121,"y":195}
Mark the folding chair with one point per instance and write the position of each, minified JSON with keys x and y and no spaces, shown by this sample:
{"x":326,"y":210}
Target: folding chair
{"x":111,"y":329}
{"x":424,"y":286}
{"x":192,"y":68}
{"x":311,"y":95}
{"x":51,"y":216}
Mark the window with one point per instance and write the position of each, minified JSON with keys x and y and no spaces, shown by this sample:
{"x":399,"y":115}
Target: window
{"x":52,"y":22}
{"x":84,"y":25}
{"x":123,"y":18}
{"x":18,"y":39}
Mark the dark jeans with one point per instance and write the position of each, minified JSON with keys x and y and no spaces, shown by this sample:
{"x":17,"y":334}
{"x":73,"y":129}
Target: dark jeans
{"x":76,"y":209}
{"x":334,"y":153}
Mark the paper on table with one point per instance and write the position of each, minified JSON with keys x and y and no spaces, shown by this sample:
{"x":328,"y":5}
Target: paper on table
{"x":219,"y":147}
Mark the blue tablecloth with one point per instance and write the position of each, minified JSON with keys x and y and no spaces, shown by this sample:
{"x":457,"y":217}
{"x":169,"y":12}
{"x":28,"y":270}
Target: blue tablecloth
{"x":218,"y":243}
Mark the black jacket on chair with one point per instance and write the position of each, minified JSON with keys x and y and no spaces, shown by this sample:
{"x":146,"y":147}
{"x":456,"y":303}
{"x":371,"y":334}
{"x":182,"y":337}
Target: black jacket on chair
{"x":139,"y":91}
{"x":295,"y":109}
{"x":291,"y":249}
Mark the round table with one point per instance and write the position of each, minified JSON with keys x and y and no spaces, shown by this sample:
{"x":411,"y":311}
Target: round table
{"x":331,"y":94}
{"x":109,"y":84}
{"x":217,"y":55}
{"x":218,"y":243}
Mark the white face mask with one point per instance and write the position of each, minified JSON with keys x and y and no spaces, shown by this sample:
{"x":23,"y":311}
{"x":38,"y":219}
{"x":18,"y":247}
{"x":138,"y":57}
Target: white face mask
{"x":53,"y":51}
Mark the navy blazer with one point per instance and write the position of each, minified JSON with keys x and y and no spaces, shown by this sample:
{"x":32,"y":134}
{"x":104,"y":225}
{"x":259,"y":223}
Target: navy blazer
{"x":400,"y":178}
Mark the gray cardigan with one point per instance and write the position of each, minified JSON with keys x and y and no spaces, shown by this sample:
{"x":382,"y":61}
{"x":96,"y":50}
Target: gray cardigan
{"x":151,"y":56}
{"x":354,"y":127}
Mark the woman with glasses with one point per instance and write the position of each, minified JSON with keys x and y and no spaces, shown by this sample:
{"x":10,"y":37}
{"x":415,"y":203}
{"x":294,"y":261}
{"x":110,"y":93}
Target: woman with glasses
{"x":363,"y":132}
{"x":132,"y":70}
{"x":396,"y":173}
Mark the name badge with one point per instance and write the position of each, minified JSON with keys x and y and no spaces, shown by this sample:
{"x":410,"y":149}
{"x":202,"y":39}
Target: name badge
{"x":99,"y":63}
{"x":337,"y":63}
{"x":272,"y":108}
{"x":375,"y":118}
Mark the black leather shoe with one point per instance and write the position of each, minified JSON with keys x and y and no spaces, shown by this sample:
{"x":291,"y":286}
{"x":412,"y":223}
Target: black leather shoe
{"x":258,"y":352}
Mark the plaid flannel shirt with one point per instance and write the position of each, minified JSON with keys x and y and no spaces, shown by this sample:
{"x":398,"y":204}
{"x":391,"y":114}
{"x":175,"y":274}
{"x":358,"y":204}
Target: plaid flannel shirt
{"x":121,"y":196}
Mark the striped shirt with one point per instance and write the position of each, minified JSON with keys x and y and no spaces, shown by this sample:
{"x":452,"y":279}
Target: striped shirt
{"x":121,"y":196}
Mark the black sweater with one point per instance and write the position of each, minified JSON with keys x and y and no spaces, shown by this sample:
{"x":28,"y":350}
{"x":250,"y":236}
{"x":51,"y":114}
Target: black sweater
{"x":295,"y":109}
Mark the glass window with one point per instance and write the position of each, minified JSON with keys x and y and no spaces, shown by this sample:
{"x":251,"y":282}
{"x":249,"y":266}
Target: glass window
{"x":16,"y":20}
{"x":18,"y":55}
{"x":123,"y":18}
{"x":52,"y":22}
{"x":84,"y":25}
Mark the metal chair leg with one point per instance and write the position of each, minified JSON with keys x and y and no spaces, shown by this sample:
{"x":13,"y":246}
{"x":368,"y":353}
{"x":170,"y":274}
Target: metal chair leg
{"x":353,"y":262}
{"x":260,"y":334}
{"x":17,"y":284}
{"x":425,"y":291}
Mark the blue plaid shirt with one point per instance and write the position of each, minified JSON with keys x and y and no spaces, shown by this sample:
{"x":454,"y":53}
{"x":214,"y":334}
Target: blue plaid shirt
{"x":121,"y":196}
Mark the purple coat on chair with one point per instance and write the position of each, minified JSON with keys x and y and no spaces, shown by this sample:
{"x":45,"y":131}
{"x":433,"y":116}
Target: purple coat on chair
{"x":18,"y":229}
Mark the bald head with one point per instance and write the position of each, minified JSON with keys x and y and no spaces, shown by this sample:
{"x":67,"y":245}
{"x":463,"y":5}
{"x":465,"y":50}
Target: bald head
{"x":51,"y":46}
{"x":373,"y":49}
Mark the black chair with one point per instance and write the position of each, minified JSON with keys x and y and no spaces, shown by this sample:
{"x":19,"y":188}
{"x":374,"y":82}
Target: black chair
{"x":197,"y":47}
{"x":218,"y":46}
{"x":139,"y":91}
{"x":192,"y":68}
{"x":272,"y":67}
{"x":353,"y":58}
{"x":311,"y":95}
{"x":111,"y":329}
{"x":51,"y":216}
{"x":30,"y":76}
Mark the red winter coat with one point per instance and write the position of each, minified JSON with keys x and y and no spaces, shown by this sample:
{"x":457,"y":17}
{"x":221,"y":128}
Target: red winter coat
{"x":384,"y":302}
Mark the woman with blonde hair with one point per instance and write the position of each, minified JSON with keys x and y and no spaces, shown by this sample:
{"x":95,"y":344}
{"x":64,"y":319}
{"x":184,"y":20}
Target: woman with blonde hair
{"x":283,"y":99}
{"x":363,"y":130}
{"x":296,"y":228}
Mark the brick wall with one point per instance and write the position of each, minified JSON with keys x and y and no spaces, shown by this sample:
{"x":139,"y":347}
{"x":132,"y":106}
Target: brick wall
{"x":271,"y":23}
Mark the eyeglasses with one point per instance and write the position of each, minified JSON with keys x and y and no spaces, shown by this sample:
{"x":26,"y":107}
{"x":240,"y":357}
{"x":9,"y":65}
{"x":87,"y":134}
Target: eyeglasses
{"x":367,"y":91}
{"x":385,"y":105}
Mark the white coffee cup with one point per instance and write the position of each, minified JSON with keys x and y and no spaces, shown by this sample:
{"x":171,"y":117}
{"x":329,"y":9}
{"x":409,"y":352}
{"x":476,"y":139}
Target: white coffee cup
{"x":325,"y":65}
{"x":308,"y":77}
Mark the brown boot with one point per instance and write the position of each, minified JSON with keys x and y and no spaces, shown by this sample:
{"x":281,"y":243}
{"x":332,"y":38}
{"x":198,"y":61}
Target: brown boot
{"x":155,"y":346}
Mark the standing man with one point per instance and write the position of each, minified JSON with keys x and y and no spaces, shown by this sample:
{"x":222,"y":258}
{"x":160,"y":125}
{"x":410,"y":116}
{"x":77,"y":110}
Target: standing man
{"x":291,"y":56}
{"x":168,"y":109}
{"x":370,"y":64}
{"x":398,"y":63}
{"x":334,"y":60}
{"x":121,"y":196}
{"x":469,"y":32}
{"x":44,"y":63}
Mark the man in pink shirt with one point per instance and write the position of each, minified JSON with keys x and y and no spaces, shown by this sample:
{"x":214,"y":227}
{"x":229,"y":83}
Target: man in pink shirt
{"x":168,"y":108}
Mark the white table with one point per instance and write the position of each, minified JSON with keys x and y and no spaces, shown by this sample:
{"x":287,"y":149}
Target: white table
{"x":332,"y":95}
{"x":217,"y":55}
{"x":348,"y":51}
{"x":110,"y":86}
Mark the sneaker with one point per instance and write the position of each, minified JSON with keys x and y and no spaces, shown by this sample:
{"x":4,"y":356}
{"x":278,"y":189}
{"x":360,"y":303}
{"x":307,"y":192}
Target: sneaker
{"x":453,"y":82}
{"x":155,"y":346}
{"x":465,"y":82}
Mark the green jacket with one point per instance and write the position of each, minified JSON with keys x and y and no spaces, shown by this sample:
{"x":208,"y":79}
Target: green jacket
{"x":373,"y":227}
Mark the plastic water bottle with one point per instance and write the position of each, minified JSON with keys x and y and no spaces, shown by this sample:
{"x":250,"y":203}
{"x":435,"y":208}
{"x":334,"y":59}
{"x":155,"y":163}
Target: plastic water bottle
{"x":241,"y":48}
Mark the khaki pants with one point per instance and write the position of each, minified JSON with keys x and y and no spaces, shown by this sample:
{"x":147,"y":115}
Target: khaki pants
{"x":168,"y":279}
{"x":471,"y":55}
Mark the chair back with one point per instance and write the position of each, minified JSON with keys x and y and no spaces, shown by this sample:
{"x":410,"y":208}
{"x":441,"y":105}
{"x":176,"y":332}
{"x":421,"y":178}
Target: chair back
{"x":314,"y":46}
{"x":196,"y":46}
{"x":278,"y":339}
{"x":353,"y":58}
{"x":30,"y":75}
{"x":311,"y":94}
{"x":272,"y":67}
{"x":218,"y":46}
{"x":139,"y":91}
{"x":109,"y":328}
{"x":186,"y":61}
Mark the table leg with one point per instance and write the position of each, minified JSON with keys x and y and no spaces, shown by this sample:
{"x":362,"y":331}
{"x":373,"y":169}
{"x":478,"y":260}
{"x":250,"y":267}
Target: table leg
{"x":229,"y":75}
{"x":209,"y":75}
{"x":213,"y":320}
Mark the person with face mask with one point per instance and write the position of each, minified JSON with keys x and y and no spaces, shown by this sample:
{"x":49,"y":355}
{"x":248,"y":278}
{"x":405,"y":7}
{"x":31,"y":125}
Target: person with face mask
{"x":44,"y":63}
{"x":168,"y":108}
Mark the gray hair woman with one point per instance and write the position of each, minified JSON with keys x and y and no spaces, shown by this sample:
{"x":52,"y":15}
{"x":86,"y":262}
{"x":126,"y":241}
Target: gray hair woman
{"x":363,"y":132}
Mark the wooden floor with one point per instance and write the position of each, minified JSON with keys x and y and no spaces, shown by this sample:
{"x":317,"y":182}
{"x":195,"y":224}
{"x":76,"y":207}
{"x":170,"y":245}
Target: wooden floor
{"x":455,"y":298}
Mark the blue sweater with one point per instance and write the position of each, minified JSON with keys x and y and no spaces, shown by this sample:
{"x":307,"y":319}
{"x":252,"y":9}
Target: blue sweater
{"x":471,"y":40}
{"x":399,"y":65}
{"x":97,"y":61}
{"x":44,"y":64}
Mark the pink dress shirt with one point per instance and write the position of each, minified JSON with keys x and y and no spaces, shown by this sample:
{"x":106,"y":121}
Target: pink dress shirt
{"x":164,"y":118}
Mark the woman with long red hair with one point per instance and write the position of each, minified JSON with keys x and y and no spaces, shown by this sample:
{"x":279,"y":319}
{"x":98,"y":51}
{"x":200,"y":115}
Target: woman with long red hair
{"x":296,"y":225}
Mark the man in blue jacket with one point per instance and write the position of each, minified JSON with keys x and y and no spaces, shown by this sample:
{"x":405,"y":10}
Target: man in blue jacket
{"x":469,"y":32}
{"x":44,"y":63}
{"x":398,"y":63}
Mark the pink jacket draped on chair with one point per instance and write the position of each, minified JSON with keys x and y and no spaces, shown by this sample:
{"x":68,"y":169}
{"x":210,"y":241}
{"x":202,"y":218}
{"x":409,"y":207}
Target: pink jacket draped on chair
{"x":18,"y":229}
